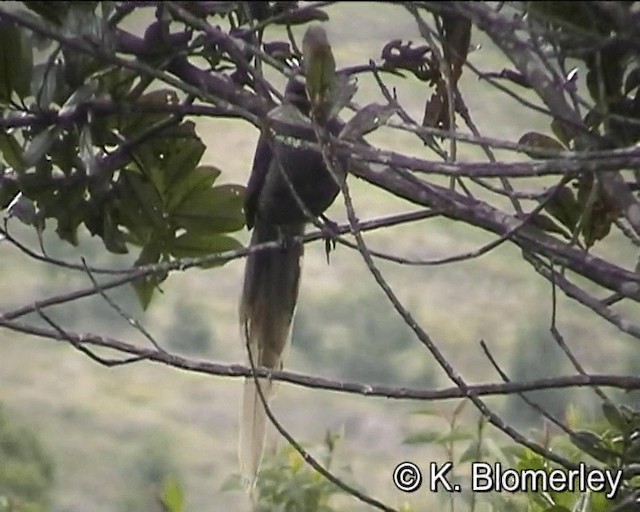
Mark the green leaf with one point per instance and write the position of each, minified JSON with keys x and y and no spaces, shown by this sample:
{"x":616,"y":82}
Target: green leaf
{"x":23,"y":209}
{"x":63,"y":152}
{"x":195,"y":245}
{"x":599,"y":501}
{"x":591,"y":444}
{"x":24,"y":67}
{"x":67,"y":228}
{"x":8,"y":192}
{"x":212,"y":210}
{"x":598,"y":211}
{"x":632,"y":452}
{"x":16,"y":62}
{"x":47,"y":83}
{"x":68,"y":208}
{"x":537,"y":140}
{"x":147,"y":201}
{"x":605,"y":76}
{"x":320,"y":69}
{"x":81,"y":95}
{"x":530,"y":460}
{"x":366,"y":120}
{"x":145,"y":286}
{"x":11,"y":151}
{"x":546,"y":223}
{"x":615,"y":417}
{"x":172,"y":495}
{"x":112,"y":237}
{"x":202,"y":177}
{"x":457,"y":32}
{"x":40,"y":145}
{"x":597,"y":227}
{"x":167,"y":156}
{"x":117,"y":83}
{"x":564,"y":207}
{"x":80,"y":66}
{"x":130,"y":211}
{"x":185,"y":155}
{"x":562,"y":132}
{"x":132,"y":124}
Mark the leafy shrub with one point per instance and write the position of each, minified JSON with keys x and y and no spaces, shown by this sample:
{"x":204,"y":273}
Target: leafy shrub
{"x":26,"y":469}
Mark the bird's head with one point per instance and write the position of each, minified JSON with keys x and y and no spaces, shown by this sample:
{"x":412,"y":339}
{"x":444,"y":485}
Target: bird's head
{"x":296,"y":94}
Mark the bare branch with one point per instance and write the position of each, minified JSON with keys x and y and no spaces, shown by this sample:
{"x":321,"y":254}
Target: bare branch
{"x":232,"y":370}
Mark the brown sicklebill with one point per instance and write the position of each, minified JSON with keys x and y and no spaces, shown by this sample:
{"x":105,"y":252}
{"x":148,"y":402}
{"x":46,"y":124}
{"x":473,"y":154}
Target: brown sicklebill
{"x":272,"y":275}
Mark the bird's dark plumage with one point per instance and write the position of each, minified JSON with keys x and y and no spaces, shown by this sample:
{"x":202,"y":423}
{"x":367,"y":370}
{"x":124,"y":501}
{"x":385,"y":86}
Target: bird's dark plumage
{"x":272,"y":275}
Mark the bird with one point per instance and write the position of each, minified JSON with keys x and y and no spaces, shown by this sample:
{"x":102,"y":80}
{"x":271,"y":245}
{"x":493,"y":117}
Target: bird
{"x":272,"y":276}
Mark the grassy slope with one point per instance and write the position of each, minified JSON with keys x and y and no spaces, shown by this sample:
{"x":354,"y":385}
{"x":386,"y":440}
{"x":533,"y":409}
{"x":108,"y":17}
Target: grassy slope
{"x":97,"y":420}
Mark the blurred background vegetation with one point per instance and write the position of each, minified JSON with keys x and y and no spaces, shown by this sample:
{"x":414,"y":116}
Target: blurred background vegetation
{"x":78,"y":437}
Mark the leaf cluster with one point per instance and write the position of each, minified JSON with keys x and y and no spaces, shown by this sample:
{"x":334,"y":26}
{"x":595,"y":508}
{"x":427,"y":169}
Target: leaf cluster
{"x":599,"y":38}
{"x":287,"y":483}
{"x":132,"y":177}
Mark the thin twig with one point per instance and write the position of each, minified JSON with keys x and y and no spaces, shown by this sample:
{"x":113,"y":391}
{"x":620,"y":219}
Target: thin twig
{"x":136,"y":324}
{"x":534,"y":405}
{"x":559,"y":339}
{"x":109,"y":363}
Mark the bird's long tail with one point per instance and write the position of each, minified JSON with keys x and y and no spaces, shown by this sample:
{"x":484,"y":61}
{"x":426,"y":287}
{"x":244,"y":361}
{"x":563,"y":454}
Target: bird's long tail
{"x":267,"y":306}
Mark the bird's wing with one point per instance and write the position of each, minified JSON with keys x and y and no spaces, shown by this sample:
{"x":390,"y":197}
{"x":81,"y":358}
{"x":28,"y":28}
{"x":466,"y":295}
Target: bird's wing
{"x":261,"y":162}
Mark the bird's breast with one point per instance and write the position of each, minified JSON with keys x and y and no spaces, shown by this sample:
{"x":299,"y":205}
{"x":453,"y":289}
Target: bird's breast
{"x":308,"y":176}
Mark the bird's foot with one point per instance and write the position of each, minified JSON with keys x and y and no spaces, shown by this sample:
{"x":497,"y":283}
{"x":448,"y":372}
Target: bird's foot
{"x":329,"y":235}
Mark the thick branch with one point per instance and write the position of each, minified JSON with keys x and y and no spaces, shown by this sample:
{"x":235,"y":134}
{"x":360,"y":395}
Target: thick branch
{"x":483,"y":215}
